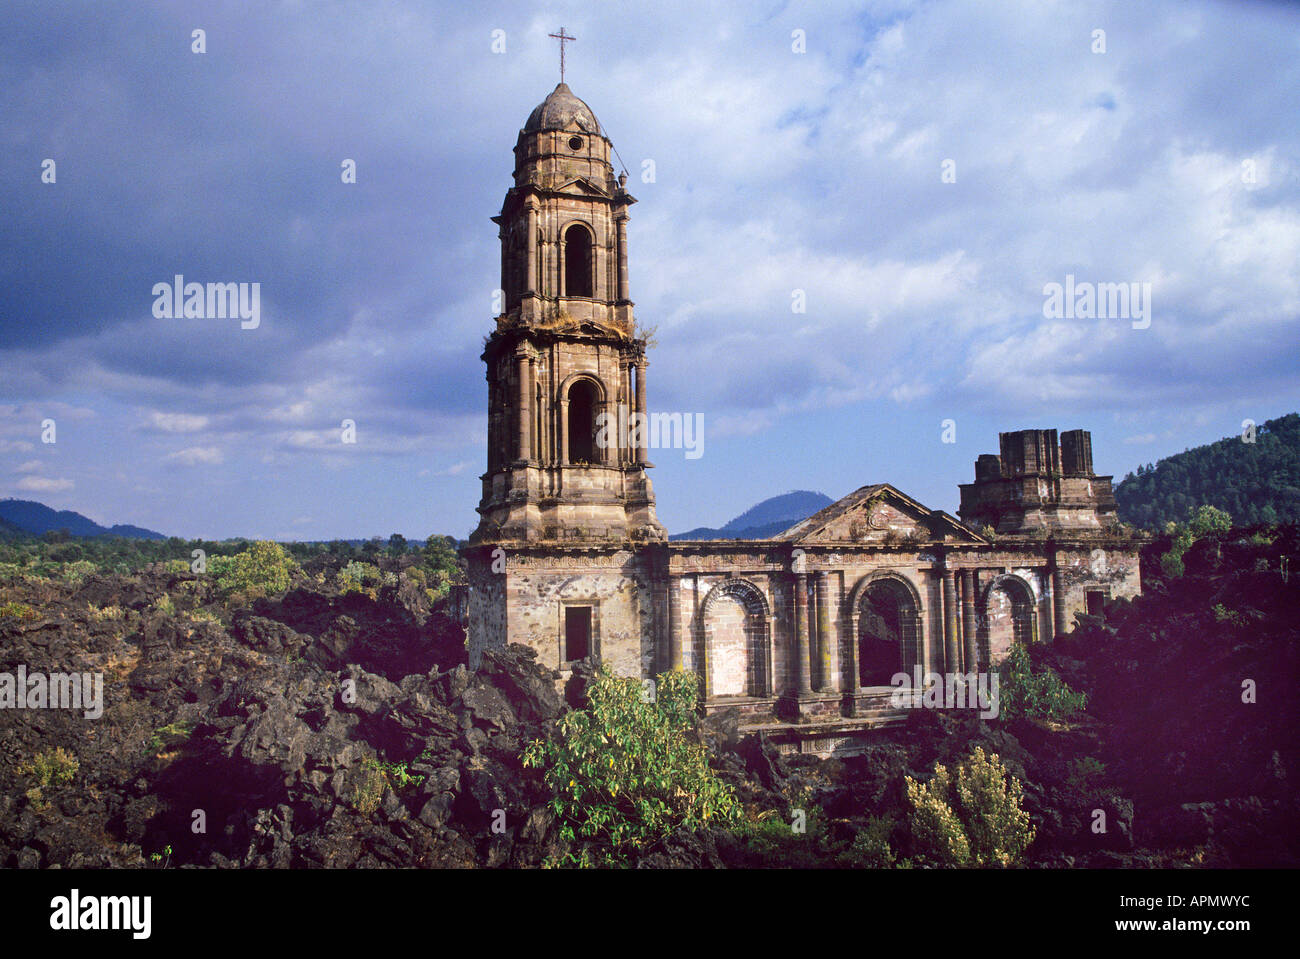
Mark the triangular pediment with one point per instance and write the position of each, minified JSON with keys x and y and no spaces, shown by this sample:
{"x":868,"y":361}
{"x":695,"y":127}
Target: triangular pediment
{"x":879,"y":515}
{"x":580,"y":186}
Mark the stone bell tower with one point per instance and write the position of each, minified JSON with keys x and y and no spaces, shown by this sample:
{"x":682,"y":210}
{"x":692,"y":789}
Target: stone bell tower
{"x":563,"y":556}
{"x":565,"y":366}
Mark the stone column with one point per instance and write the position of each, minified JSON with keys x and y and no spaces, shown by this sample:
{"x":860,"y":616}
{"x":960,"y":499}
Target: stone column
{"x":623,"y":391}
{"x":826,"y":679}
{"x":803,"y":662}
{"x":674,"y":622}
{"x":561,"y":283}
{"x":564,"y":431}
{"x":1058,"y":600}
{"x":968,"y":586}
{"x":609,"y":427}
{"x":853,"y":681}
{"x":640,"y":452}
{"x":532,"y":250}
{"x":525,"y":407}
{"x":623,"y":296}
{"x":1049,"y":597}
{"x":951,"y":657}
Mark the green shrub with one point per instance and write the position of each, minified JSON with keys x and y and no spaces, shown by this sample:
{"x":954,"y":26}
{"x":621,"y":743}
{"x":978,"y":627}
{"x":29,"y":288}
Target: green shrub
{"x":774,"y":842}
{"x":1203,"y":520}
{"x":53,"y":767}
{"x":1085,"y":773}
{"x":360,"y":578}
{"x":1171,"y":563}
{"x":77,"y":571}
{"x":1024,"y":692}
{"x":625,"y":773}
{"x":376,"y":776}
{"x":170,"y":736}
{"x":17,"y":610}
{"x":972,"y":819}
{"x":264,"y":569}
{"x":871,"y":849}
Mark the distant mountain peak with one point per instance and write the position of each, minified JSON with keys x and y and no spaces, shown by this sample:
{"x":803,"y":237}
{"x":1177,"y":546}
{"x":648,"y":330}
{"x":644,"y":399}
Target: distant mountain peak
{"x":37,"y":518}
{"x":764,"y":519}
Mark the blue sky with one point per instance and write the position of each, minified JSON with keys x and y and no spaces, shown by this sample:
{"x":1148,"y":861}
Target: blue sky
{"x":774,"y":171}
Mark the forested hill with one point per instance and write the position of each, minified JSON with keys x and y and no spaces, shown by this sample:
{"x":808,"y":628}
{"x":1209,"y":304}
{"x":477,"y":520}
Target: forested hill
{"x":1255,"y":482}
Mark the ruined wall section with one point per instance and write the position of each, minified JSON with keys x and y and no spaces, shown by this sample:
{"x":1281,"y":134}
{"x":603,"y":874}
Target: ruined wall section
{"x":1038,"y":484}
{"x":1114,"y":571}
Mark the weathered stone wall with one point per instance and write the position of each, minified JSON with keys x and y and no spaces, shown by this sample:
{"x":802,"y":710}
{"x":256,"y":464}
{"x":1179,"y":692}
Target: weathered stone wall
{"x":736,"y":611}
{"x":1115,"y":572}
{"x":487,"y":606}
{"x":539,"y":584}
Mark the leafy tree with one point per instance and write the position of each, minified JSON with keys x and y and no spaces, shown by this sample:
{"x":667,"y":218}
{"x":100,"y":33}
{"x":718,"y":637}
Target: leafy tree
{"x":360,"y":578}
{"x":625,"y":773}
{"x":441,"y":563}
{"x":265,"y":568}
{"x":1035,"y":694}
{"x":1205,"y":520}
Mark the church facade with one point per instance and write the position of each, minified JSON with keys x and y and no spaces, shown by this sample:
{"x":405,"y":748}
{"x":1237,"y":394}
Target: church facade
{"x":802,"y":632}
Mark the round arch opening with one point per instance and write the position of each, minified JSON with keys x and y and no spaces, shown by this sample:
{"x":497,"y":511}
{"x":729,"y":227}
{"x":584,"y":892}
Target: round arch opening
{"x":888,"y":632}
{"x":577,"y":262}
{"x":584,"y":401}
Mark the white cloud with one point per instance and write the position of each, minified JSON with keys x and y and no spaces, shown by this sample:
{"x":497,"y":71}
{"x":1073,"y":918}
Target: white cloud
{"x":196,"y":456}
{"x":455,"y":469}
{"x":44,"y":484}
{"x":178,"y":422}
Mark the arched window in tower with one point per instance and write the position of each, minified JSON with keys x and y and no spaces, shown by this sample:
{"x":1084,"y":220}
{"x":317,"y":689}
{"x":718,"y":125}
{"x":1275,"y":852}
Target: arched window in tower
{"x":583,"y":401}
{"x":577,"y":261}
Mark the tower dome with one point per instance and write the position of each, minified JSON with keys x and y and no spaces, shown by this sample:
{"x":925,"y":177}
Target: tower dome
{"x":559,"y":110}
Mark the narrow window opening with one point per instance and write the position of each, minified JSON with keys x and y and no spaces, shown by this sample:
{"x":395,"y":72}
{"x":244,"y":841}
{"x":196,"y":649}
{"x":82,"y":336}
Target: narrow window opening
{"x":577,"y":262}
{"x":577,"y":632}
{"x":582,"y":422}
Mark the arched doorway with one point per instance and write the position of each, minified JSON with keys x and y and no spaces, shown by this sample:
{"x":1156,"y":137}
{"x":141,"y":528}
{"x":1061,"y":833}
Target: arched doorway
{"x":735,"y":634}
{"x":1008,"y":619}
{"x":888,"y":632}
{"x":583,"y":402}
{"x":577,"y":261}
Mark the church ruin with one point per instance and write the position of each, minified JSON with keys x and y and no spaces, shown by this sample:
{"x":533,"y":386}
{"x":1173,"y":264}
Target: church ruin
{"x":801,"y":632}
